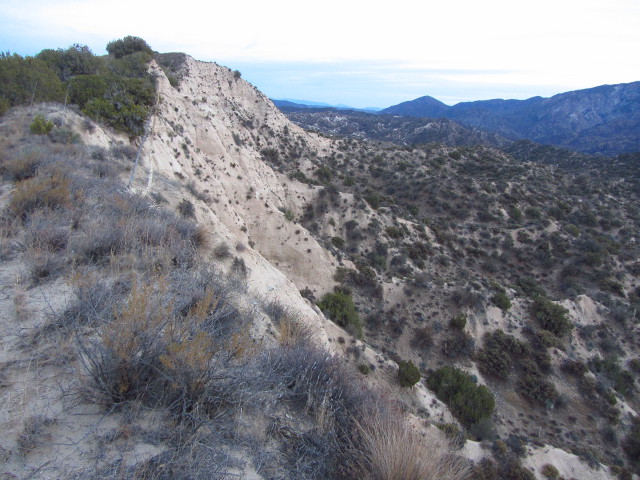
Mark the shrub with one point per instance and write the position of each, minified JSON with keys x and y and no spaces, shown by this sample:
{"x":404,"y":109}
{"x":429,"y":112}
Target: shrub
{"x":550,"y":472}
{"x":4,"y":105}
{"x":337,"y":242}
{"x":495,"y":356}
{"x":128,"y":45}
{"x":186,"y":208}
{"x":40,"y":125}
{"x":408,"y":373}
{"x":64,"y":136}
{"x":28,"y":80}
{"x":394,"y":232}
{"x":388,"y":449}
{"x":458,"y":322}
{"x":340,"y":308}
{"x":501,"y":300}
{"x":45,"y":191}
{"x":552,"y":317}
{"x":469,"y":402}
{"x":423,"y":338}
{"x":631,"y":443}
{"x":535,"y":388}
{"x":515,"y":471}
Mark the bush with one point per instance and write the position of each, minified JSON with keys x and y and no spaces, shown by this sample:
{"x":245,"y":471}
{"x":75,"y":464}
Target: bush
{"x":28,"y":80}
{"x":515,"y":471}
{"x":631,"y":443}
{"x":458,"y":322}
{"x":40,"y":125}
{"x":390,"y":450}
{"x":4,"y":105}
{"x":469,"y":402}
{"x":337,"y":242}
{"x":552,"y":317}
{"x":501,"y":301}
{"x":535,"y":388}
{"x":127,"y":46}
{"x":186,"y":208}
{"x":408,"y":373}
{"x":44,"y":191}
{"x":495,"y":356}
{"x":340,"y":308}
{"x":550,"y":472}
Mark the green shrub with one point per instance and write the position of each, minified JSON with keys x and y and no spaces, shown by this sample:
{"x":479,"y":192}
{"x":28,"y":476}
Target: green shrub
{"x":535,"y":388}
{"x":547,"y":339}
{"x":337,"y":242}
{"x":40,"y":125}
{"x":501,"y":301}
{"x":515,"y":471}
{"x":469,"y":402}
{"x":4,"y":105}
{"x":128,"y":45}
{"x":28,"y":80}
{"x":552,"y":317}
{"x":515,"y":213}
{"x":495,"y":356}
{"x":458,"y":322}
{"x":408,"y":373}
{"x":623,"y":380}
{"x":394,"y":232}
{"x":340,"y":308}
{"x":550,"y":472}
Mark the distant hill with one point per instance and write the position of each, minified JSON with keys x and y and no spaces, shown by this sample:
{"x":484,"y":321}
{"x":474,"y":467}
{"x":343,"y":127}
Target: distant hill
{"x":298,"y":104}
{"x":604,"y":120}
{"x":387,"y":128}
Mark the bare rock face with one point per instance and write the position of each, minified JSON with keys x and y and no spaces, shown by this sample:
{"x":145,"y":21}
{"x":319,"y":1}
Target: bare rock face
{"x":210,"y":133}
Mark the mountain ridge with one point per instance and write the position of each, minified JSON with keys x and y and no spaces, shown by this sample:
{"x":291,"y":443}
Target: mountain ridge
{"x":603,"y":120}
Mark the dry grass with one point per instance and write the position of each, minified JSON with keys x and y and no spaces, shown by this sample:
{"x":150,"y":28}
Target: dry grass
{"x":34,"y":433}
{"x":392,"y":450}
{"x":20,"y":302}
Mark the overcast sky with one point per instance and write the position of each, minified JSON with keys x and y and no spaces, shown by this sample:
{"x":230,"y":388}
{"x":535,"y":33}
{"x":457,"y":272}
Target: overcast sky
{"x":361,"y":53}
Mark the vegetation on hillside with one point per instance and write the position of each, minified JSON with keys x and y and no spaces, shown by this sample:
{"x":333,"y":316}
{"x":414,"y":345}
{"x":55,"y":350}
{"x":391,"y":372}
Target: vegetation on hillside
{"x":116,"y":89}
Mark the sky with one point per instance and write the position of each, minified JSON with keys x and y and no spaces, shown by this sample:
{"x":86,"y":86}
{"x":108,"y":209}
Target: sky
{"x":361,"y":53}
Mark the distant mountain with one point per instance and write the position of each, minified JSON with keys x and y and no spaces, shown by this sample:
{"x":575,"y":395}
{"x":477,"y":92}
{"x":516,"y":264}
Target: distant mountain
{"x":603,"y":120}
{"x":400,"y":130}
{"x":298,"y":104}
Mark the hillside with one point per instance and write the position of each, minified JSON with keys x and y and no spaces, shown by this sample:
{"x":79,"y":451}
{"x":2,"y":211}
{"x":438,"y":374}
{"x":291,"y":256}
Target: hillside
{"x":604,"y":120}
{"x":399,"y":130}
{"x":226,"y":295}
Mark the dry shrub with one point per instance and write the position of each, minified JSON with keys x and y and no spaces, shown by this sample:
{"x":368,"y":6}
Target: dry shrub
{"x":21,"y":166}
{"x":132,"y":344}
{"x":47,"y":191}
{"x":392,"y":450}
{"x":33,"y":433}
{"x":42,"y":264}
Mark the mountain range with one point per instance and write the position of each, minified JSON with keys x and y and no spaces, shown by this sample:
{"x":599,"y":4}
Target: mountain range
{"x":604,"y":120}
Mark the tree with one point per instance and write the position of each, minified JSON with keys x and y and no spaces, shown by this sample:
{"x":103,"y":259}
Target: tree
{"x":28,"y":80}
{"x":408,"y":373}
{"x":75,"y":60}
{"x":127,"y":46}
